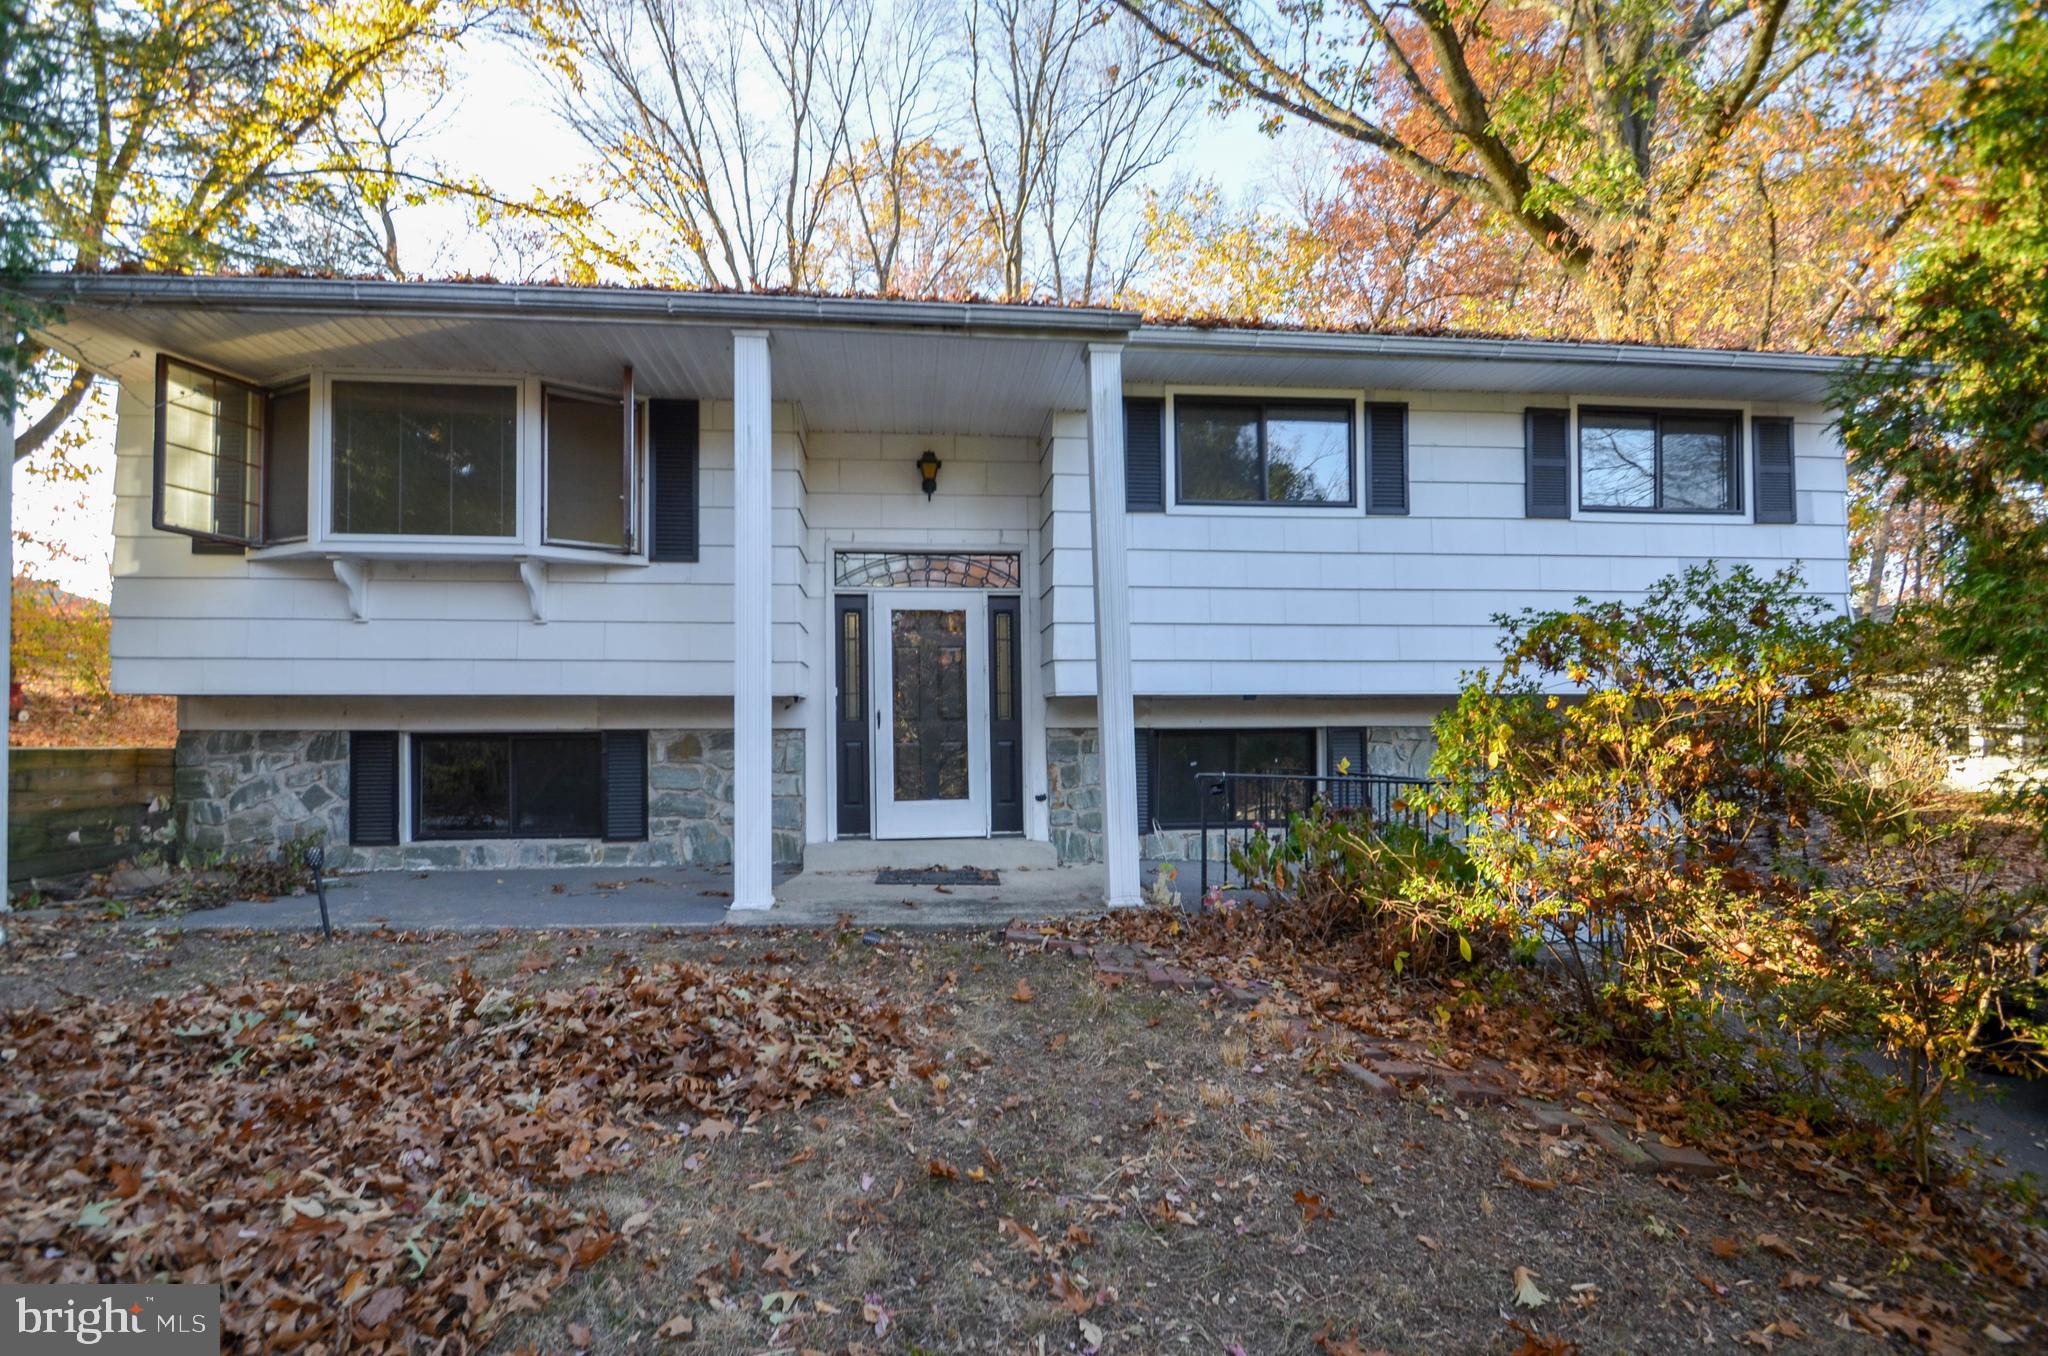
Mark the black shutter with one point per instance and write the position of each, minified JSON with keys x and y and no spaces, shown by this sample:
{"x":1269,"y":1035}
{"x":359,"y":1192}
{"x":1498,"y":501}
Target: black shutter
{"x":373,"y":788}
{"x":850,"y":720}
{"x":1386,"y":458}
{"x":1144,"y":454}
{"x":1547,"y":467}
{"x":1145,"y":745}
{"x":1777,"y":497}
{"x":625,"y":786}
{"x":672,"y":457}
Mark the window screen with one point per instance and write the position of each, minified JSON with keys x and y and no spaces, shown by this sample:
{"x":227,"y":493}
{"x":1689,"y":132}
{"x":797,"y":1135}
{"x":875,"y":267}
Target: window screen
{"x":430,"y":459}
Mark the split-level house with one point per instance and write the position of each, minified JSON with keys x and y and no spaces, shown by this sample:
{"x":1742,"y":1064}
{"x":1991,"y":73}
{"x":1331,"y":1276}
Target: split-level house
{"x":474,"y":574}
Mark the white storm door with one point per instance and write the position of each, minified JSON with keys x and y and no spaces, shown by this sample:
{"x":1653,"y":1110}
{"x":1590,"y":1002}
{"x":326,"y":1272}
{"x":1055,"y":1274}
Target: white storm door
{"x":931,"y":709}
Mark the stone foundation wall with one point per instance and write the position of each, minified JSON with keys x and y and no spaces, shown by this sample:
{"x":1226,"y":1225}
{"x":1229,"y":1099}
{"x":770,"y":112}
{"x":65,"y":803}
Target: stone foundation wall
{"x":248,"y":792}
{"x":1073,"y":784}
{"x":1399,"y":750}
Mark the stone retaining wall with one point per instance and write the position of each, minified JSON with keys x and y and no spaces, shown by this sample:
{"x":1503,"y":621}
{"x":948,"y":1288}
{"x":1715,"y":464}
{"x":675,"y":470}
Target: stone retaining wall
{"x":73,"y":810}
{"x":250,"y":791}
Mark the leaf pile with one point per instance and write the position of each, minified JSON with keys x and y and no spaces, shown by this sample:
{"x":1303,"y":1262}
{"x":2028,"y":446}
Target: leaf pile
{"x":360,"y":1163}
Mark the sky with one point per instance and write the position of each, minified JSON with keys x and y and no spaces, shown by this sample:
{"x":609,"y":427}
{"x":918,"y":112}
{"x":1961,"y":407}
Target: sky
{"x":498,"y":127}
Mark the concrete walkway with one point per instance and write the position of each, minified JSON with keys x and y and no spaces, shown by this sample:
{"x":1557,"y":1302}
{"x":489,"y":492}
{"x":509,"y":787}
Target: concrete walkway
{"x":655,"y":897}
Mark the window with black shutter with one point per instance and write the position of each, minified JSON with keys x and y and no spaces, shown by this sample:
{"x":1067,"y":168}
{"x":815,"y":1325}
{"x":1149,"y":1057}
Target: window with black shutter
{"x":672,"y":463}
{"x":373,"y":788}
{"x":1386,"y":458}
{"x":516,"y":785}
{"x":1777,"y":488}
{"x":1144,"y":454}
{"x":1547,"y":466}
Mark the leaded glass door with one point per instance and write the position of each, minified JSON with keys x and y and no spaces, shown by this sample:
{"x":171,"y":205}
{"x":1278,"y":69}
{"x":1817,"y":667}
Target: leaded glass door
{"x":930,"y":655}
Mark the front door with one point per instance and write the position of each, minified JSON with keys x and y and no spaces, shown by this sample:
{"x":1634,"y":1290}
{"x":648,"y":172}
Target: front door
{"x":931,"y":714}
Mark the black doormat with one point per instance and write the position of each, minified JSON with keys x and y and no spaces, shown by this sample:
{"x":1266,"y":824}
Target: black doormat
{"x":937,"y":875}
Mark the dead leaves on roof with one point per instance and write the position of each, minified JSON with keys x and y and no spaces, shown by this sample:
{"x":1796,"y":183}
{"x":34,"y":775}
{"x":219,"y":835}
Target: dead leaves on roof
{"x":360,"y":1162}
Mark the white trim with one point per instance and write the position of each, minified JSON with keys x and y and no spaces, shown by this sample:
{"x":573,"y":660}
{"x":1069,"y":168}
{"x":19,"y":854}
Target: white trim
{"x":891,"y":818}
{"x":753,"y":604}
{"x":1030,"y":691}
{"x":1170,"y":451}
{"x":1115,"y":705}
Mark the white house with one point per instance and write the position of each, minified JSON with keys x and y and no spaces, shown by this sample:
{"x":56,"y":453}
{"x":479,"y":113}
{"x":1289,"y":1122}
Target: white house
{"x":479,"y":574}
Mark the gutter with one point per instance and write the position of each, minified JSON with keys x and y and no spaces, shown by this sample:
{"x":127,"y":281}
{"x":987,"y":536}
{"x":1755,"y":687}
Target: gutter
{"x":457,"y":301}
{"x":1310,"y":343}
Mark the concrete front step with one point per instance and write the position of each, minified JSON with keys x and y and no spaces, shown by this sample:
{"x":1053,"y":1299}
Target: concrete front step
{"x":991,"y":854}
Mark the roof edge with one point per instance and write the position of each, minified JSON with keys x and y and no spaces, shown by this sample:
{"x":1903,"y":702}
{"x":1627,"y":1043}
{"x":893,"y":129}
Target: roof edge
{"x":1190,"y":338}
{"x":496,"y":300}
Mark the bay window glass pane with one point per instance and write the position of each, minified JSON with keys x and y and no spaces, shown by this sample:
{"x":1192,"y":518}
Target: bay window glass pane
{"x":288,"y":426}
{"x":558,"y":786}
{"x":1218,"y":450}
{"x":1699,"y":464}
{"x":425,"y":459}
{"x":1179,"y":755}
{"x":212,"y":435}
{"x":465,"y":787}
{"x":1618,"y":461}
{"x":1308,"y":454}
{"x":586,"y":471}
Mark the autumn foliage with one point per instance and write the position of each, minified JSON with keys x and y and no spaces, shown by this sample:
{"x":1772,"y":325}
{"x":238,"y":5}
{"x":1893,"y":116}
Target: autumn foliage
{"x":366,"y":1162}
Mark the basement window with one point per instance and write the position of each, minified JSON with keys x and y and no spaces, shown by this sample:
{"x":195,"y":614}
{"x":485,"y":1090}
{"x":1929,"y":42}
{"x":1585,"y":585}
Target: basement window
{"x":508,"y":786}
{"x":1179,"y":755}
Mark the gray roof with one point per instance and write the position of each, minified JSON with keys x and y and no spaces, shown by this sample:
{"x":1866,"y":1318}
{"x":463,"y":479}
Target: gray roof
{"x":862,"y":363}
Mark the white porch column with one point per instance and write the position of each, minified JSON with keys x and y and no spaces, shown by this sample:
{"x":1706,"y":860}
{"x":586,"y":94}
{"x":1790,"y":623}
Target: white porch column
{"x":1115,"y":709}
{"x":753,"y":630}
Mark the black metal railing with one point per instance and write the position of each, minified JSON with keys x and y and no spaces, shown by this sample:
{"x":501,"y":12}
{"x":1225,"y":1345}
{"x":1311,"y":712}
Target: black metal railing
{"x":1247,"y":803}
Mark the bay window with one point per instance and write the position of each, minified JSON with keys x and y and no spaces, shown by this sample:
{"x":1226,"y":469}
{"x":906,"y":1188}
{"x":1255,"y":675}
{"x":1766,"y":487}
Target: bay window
{"x":424,"y":459}
{"x":209,"y":454}
{"x":588,"y":471}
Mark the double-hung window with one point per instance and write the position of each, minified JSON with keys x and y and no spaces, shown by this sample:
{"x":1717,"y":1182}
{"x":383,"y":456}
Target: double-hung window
{"x":1233,"y":451}
{"x":1648,"y":461}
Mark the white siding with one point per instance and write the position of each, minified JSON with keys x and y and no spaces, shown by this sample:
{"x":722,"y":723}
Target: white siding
{"x":1308,"y":602}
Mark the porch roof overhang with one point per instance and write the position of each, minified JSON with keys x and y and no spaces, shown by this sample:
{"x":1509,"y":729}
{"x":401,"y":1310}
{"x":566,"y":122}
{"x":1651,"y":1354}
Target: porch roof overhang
{"x":854,"y":364}
{"x":864,"y":365}
{"x":1200,"y":356}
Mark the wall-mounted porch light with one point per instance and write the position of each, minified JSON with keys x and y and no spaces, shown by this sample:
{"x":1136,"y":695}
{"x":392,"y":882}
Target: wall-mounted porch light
{"x":928,"y":466}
